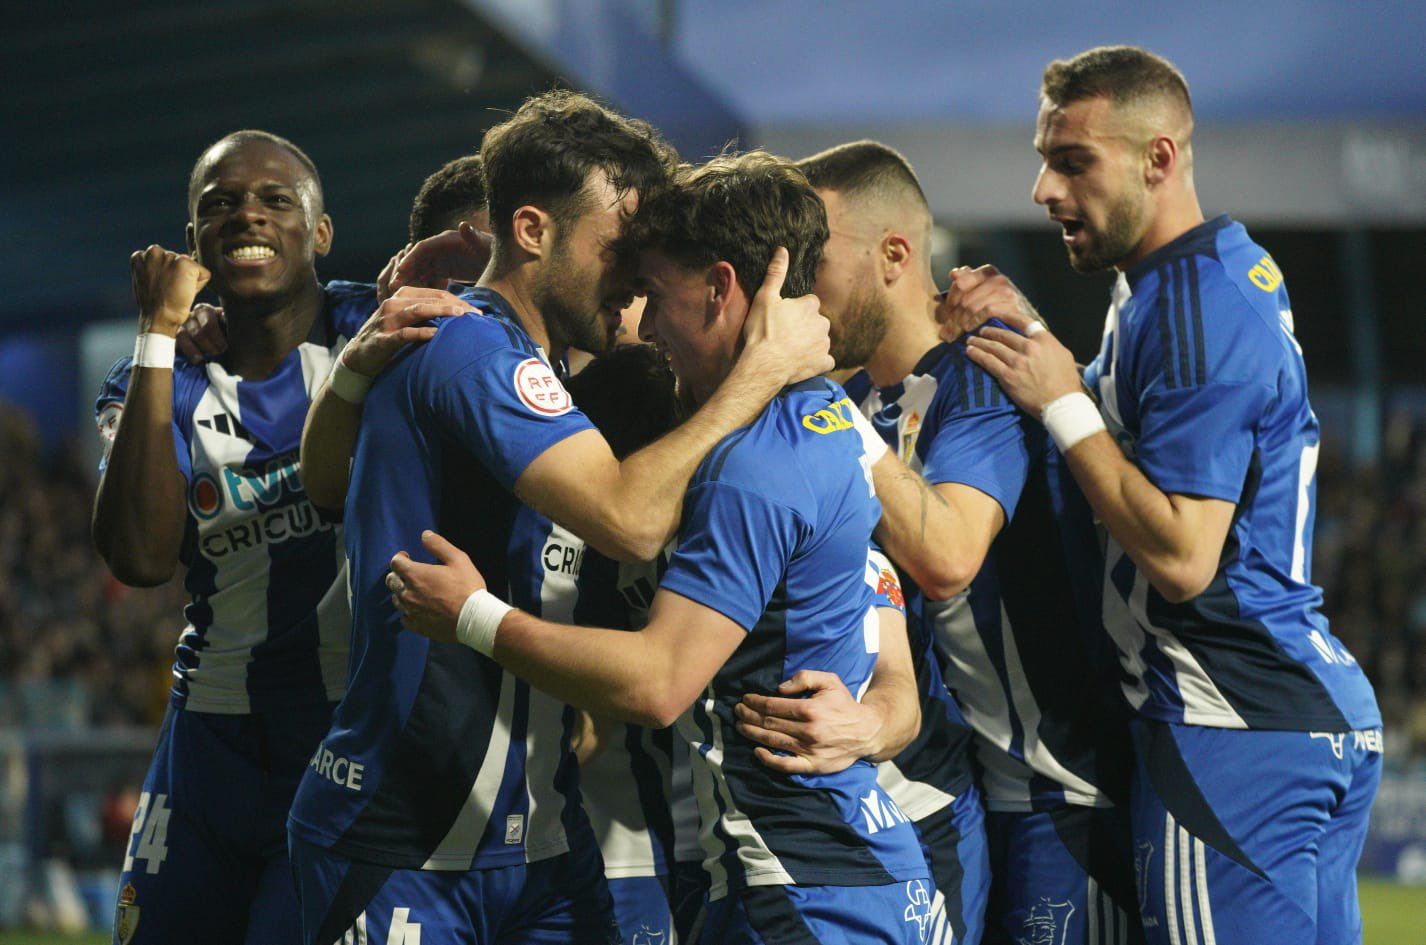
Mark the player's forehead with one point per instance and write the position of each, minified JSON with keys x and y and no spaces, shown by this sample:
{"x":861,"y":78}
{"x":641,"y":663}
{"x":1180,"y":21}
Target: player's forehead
{"x":1083,"y":123}
{"x":252,"y":163}
{"x":656,"y":271}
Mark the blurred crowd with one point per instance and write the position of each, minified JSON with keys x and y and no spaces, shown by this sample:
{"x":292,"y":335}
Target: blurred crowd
{"x":79,"y":650}
{"x":1369,"y":556}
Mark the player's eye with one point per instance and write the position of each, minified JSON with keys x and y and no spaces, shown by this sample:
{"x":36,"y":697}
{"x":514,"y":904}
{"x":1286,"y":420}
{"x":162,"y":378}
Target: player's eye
{"x":281,"y":200}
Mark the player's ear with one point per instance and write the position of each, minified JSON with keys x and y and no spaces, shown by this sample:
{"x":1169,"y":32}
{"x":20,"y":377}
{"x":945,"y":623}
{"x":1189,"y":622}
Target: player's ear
{"x":722,"y":285}
{"x":322,"y":245}
{"x":533,"y":231}
{"x":190,"y":236}
{"x":1160,"y":160}
{"x":895,"y":253}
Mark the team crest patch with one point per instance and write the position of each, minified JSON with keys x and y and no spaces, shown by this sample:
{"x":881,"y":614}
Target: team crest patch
{"x":540,"y":390}
{"x":1047,"y":923}
{"x":126,"y":914}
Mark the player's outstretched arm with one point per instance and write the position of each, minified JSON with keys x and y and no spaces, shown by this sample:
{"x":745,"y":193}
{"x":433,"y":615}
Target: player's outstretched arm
{"x":648,"y":677}
{"x":629,"y":510}
{"x":140,"y":509}
{"x":1176,"y":540}
{"x":815,"y":726}
{"x":329,"y":433}
{"x":939,"y":534}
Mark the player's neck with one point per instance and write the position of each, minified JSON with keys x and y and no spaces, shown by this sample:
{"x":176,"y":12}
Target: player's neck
{"x":516,"y":293}
{"x":910,"y":332}
{"x":261,"y":332}
{"x":1177,"y":214}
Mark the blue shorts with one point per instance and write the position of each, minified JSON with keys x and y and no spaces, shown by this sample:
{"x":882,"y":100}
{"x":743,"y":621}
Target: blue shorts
{"x":953,"y":840}
{"x":896,"y":914}
{"x":1250,"y":836}
{"x":562,"y":900}
{"x":1064,"y":876}
{"x":641,"y":910}
{"x":207,"y":859}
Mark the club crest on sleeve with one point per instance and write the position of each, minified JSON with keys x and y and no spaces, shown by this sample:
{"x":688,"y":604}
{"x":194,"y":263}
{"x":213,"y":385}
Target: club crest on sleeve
{"x":540,"y":389}
{"x":126,"y":914}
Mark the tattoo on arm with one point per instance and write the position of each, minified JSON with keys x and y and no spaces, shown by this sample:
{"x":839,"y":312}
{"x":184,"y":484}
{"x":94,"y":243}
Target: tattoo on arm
{"x":927,"y":493}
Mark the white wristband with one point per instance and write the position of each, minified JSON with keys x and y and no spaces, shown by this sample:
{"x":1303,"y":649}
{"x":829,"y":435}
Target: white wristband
{"x":153,"y":350}
{"x":1071,"y":418}
{"x":348,"y":384}
{"x":872,"y":443}
{"x":479,"y":619}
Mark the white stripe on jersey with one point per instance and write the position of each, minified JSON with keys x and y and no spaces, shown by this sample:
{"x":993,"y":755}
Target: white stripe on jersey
{"x":917,"y":799}
{"x":457,"y":849}
{"x":761,"y":867}
{"x":1203,"y":702}
{"x":970,"y":673}
{"x":615,"y":811}
{"x":248,"y":512}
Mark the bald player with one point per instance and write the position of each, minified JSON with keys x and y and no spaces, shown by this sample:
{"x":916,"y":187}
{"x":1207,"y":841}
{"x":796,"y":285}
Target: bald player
{"x":1258,"y":737}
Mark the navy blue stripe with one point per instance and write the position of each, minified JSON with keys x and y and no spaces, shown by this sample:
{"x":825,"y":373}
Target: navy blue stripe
{"x":977,"y":381}
{"x":731,"y":440}
{"x":963,"y":380}
{"x":1165,"y":332}
{"x":1180,"y":320}
{"x":774,"y":917}
{"x":1200,"y":354}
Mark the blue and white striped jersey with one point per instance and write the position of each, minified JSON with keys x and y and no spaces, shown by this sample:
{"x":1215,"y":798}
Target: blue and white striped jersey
{"x":438,"y":758}
{"x":1023,"y":649}
{"x":269,"y":619}
{"x":774,"y":535}
{"x":1203,"y":385}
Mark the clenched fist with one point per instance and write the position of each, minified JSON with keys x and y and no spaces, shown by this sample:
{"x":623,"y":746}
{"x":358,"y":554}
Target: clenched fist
{"x":165,"y":284}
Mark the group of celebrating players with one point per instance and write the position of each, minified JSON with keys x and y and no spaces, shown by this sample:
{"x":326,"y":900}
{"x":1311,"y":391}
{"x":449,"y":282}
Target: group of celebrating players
{"x":697,"y":571}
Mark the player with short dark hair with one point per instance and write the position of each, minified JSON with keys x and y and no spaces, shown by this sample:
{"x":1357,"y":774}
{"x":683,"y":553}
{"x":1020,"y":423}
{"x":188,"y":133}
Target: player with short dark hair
{"x":769,"y":580}
{"x":203,"y":470}
{"x":465,"y":819}
{"x":1258,"y":736}
{"x":452,"y":195}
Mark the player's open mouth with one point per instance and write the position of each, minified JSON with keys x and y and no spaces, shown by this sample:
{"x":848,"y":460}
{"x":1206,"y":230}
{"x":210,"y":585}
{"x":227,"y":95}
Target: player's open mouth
{"x":1072,"y":229}
{"x":250,"y":255}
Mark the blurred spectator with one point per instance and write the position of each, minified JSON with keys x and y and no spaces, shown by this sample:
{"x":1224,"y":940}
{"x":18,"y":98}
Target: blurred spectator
{"x":1369,"y":555}
{"x":77,"y":649}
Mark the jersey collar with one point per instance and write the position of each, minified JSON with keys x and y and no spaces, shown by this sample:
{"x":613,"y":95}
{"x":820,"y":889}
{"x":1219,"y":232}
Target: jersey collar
{"x":1201,"y":240}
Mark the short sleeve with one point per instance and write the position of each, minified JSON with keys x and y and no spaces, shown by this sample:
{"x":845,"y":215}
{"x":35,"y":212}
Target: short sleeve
{"x":109,"y":411}
{"x":352,"y":303}
{"x":733,"y":550}
{"x":507,"y":407}
{"x":1200,"y":440}
{"x":881,"y":577}
{"x":979,"y":438}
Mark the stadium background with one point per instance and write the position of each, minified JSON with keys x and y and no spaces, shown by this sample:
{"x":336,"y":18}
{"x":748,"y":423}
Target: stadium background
{"x":1311,"y":130}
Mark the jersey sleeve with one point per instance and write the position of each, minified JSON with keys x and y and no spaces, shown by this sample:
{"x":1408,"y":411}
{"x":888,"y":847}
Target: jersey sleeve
{"x":1205,"y":378}
{"x":881,"y":577}
{"x":351,"y":305}
{"x":507,"y":407}
{"x":109,"y":411}
{"x":733,"y":550}
{"x":978,"y":438}
{"x":1200,"y":440}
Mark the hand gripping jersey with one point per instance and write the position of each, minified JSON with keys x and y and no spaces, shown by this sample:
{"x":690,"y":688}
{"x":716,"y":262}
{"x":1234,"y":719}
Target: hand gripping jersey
{"x":774,"y":536}
{"x":438,"y":758}
{"x":1023,"y":649}
{"x":1203,"y":385}
{"x":269,"y":620}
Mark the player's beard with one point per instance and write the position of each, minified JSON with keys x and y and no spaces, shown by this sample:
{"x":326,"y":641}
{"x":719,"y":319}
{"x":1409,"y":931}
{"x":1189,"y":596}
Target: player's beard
{"x":1124,"y":226}
{"x":859,"y":331}
{"x":568,"y":298}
